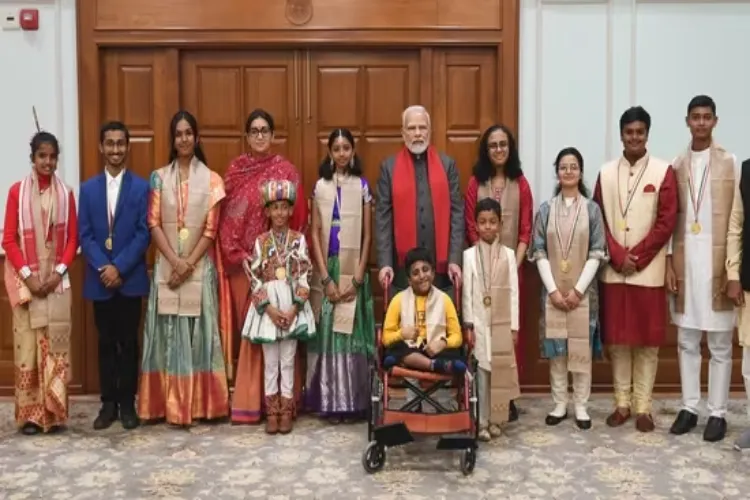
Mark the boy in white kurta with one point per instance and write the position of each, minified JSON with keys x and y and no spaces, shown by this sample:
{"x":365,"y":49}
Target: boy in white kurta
{"x":490,"y":306}
{"x":280,"y":314}
{"x":696,"y":273}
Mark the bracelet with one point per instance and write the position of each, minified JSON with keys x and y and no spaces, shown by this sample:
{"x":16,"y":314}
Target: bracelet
{"x":357,"y":284}
{"x":326,"y":280}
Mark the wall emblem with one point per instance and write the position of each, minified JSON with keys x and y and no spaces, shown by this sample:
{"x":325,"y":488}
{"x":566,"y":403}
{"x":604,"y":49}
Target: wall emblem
{"x":299,"y":12}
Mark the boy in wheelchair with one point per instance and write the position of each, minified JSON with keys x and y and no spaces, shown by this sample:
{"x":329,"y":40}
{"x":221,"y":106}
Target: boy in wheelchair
{"x":421,"y":329}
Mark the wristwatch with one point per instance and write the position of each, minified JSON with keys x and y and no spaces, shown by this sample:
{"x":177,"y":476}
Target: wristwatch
{"x":25,"y":273}
{"x":61,"y":269}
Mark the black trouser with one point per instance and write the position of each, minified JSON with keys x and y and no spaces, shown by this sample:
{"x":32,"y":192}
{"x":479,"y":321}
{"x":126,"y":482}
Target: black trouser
{"x":118,"y":320}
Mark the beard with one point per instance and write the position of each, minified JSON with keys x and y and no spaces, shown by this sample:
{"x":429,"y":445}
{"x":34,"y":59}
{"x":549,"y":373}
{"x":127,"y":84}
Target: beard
{"x":418,"y":149}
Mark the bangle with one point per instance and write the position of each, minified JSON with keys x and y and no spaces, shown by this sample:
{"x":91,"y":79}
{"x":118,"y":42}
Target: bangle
{"x":357,"y":284}
{"x":326,"y":280}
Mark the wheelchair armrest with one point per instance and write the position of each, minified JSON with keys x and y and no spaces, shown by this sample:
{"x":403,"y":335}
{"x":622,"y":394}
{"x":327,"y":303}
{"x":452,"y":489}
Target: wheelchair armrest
{"x":378,"y":346}
{"x":468,"y":334}
{"x":469,"y":339}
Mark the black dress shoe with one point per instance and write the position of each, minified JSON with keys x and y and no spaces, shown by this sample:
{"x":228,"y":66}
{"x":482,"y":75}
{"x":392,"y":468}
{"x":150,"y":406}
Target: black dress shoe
{"x":512,"y":412}
{"x":684,"y":423}
{"x":584,"y":425}
{"x":554,"y":420}
{"x":716,"y":429}
{"x":107,"y":416}
{"x":129,"y":417}
{"x":30,"y":429}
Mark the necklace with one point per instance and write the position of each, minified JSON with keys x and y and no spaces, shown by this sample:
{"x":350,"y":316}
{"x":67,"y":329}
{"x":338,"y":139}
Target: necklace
{"x":280,"y":271}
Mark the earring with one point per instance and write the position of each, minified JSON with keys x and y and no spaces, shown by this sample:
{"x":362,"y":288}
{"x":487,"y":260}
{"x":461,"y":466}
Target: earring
{"x":333,"y":165}
{"x":351,"y":162}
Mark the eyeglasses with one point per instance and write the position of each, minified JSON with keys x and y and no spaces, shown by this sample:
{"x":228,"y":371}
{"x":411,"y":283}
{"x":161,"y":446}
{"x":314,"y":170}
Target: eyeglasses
{"x":497,"y":146}
{"x":259,"y":132}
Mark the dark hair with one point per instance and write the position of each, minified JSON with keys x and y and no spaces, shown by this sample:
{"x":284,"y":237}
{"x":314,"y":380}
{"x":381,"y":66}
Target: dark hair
{"x":177,"y":118}
{"x":113,"y":126}
{"x":484,"y":170}
{"x":415,"y":255}
{"x":571,"y":151}
{"x":701,"y":101}
{"x":325,"y":170}
{"x":259,"y":113}
{"x":43,"y":138}
{"x":635,"y":114}
{"x":488,"y":205}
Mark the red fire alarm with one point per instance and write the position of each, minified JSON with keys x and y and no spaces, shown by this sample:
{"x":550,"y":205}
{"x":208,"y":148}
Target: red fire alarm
{"x":29,"y":19}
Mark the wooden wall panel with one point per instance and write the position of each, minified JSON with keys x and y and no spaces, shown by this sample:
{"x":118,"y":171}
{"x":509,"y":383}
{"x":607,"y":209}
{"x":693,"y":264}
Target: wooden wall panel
{"x":272,"y":15}
{"x":223,"y":87}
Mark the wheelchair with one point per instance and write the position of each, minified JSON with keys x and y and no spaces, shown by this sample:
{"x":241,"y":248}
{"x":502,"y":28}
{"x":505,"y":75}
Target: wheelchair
{"x":457,"y":427}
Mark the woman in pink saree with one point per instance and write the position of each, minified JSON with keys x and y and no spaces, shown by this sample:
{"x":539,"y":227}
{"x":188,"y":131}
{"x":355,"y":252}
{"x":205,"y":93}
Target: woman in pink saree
{"x":242,"y":220}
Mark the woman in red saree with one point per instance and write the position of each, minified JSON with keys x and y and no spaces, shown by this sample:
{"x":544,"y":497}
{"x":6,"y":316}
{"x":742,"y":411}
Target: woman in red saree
{"x":242,"y":220}
{"x":497,"y":174}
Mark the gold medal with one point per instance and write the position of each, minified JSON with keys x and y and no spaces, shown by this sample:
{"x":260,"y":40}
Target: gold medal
{"x":184,"y":234}
{"x":695,"y":227}
{"x":565,"y":265}
{"x":280,"y":273}
{"x":108,"y":243}
{"x":487,"y":301}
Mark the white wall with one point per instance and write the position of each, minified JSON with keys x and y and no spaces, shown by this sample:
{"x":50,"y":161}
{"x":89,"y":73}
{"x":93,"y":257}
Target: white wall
{"x":38,"y":68}
{"x":584,"y":62}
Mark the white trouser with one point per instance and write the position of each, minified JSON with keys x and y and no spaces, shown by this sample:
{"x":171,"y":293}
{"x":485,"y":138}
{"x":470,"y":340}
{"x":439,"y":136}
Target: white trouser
{"x":484,"y":381}
{"x":746,"y":374}
{"x":278,"y":361}
{"x":719,"y":369}
{"x":558,"y":378}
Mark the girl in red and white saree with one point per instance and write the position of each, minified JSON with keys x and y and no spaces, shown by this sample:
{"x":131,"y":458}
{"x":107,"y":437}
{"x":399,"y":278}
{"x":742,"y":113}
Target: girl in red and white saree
{"x":40,"y":241}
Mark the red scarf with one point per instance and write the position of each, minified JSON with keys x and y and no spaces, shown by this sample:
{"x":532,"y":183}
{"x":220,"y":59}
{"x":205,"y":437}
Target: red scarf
{"x":404,"y":209}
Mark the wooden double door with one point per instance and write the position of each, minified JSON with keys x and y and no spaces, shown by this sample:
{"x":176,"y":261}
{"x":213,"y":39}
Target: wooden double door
{"x":308,"y":92}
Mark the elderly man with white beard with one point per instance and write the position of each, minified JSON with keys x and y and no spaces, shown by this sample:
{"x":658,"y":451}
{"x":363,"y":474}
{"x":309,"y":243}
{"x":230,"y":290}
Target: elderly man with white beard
{"x":419,"y":204}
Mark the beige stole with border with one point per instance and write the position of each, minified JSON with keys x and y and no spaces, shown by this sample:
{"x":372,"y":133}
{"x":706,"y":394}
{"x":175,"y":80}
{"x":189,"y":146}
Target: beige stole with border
{"x":568,"y":228}
{"x":53,"y":312}
{"x":435,"y":321}
{"x":510,"y":202}
{"x":186,"y":300}
{"x":350,"y":244}
{"x":494,"y":273}
{"x":722,"y":175}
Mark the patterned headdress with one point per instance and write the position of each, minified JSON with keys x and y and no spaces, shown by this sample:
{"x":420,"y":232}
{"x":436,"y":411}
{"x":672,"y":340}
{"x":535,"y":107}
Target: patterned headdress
{"x":279,"y":190}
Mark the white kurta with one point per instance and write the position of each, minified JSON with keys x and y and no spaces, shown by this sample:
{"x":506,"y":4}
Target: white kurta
{"x":699,"y":313}
{"x":476,"y":313}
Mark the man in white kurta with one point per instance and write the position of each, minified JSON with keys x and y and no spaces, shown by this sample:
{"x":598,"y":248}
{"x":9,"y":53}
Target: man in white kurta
{"x":696,"y":271}
{"x":738,"y":273}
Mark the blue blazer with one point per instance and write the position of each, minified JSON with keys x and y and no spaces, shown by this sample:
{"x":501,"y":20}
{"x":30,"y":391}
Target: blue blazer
{"x":131,"y":236}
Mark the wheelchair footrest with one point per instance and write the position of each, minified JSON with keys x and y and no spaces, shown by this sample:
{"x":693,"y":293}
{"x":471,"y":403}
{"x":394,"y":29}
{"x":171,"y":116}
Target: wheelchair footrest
{"x":390,"y":435}
{"x":456,"y":442}
{"x":430,"y":423}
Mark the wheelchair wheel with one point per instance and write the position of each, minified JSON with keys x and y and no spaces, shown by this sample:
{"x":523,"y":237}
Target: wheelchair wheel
{"x":468,"y":461}
{"x":373,"y":459}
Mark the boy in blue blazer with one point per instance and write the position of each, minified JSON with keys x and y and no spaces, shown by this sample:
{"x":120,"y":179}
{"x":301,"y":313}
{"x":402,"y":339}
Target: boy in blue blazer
{"x":114,"y":238}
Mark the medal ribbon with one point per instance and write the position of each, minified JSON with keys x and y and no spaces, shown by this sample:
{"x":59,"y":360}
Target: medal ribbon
{"x":631,"y":194}
{"x":569,"y":243}
{"x":178,"y":190}
{"x":111,"y":211}
{"x":486,"y":277}
{"x":701,"y":190}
